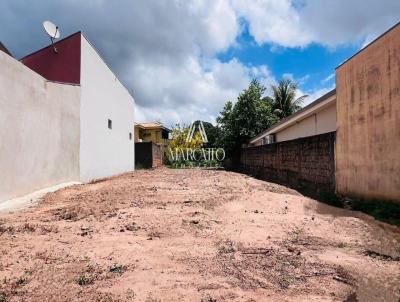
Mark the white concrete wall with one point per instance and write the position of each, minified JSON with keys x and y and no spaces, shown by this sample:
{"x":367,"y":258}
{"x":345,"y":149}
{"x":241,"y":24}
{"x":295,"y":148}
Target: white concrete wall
{"x":104,"y":152}
{"x":305,"y":127}
{"x":39,"y":130}
{"x":323,"y":121}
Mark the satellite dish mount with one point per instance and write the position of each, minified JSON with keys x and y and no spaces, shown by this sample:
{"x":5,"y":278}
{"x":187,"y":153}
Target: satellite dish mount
{"x":53,"y":31}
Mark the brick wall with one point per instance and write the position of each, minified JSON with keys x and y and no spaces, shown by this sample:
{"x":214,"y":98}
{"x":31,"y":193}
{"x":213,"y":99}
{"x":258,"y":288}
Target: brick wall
{"x":157,"y":155}
{"x":305,"y":162}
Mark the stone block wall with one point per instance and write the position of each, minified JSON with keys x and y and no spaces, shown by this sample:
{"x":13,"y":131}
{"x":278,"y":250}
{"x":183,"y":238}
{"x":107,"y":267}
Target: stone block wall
{"x":305,"y":162}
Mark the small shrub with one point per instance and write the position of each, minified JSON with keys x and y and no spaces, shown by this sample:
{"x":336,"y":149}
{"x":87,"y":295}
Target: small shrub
{"x":117,"y":269}
{"x":67,"y":214}
{"x":298,"y":231}
{"x":9,"y":229}
{"x":85,"y":279}
{"x":226,"y":247}
{"x":29,"y":227}
{"x":133,"y":227}
{"x":130,"y":294}
{"x":45,"y":229}
{"x":154,"y":234}
{"x":3,"y":297}
{"x":86,"y":258}
{"x":21,"y":281}
{"x":28,"y":271}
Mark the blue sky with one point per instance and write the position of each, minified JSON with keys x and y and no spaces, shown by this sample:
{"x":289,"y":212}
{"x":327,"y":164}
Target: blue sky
{"x":183,"y":59}
{"x":312,"y":67}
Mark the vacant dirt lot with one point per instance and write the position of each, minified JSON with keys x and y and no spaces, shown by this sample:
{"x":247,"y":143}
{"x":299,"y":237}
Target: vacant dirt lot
{"x":194,"y":235}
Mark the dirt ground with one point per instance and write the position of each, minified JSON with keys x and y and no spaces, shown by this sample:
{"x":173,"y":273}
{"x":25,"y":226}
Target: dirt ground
{"x":194,"y":235}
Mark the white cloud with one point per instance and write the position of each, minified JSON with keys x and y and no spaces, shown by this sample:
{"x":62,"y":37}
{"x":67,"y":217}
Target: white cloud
{"x":300,"y":81}
{"x":275,"y":21}
{"x":314,"y":94}
{"x":291,"y":23}
{"x":328,"y":78}
{"x":193,"y":92}
{"x":341,"y":21}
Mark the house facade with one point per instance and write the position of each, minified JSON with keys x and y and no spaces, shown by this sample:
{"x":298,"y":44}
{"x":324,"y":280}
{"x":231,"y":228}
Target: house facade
{"x":67,"y":118}
{"x":152,"y":132}
{"x":298,"y":150}
{"x":319,"y":117}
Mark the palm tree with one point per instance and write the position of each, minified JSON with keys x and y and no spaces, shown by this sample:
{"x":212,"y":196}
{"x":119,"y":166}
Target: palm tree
{"x":283,"y":100}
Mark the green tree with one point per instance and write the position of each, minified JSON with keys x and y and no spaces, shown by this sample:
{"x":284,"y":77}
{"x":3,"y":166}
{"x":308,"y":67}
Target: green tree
{"x":283,"y":100}
{"x":179,"y":135}
{"x":251,"y":114}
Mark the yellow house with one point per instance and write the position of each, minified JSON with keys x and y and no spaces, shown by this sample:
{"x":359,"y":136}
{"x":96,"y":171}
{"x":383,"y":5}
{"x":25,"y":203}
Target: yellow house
{"x":152,"y":132}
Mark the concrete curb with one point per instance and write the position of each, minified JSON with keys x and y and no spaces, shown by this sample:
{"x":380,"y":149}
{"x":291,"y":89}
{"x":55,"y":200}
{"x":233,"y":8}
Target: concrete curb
{"x":31,"y":199}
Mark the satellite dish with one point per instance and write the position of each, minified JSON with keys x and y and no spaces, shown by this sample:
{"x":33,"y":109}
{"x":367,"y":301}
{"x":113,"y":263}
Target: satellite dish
{"x":53,"y":31}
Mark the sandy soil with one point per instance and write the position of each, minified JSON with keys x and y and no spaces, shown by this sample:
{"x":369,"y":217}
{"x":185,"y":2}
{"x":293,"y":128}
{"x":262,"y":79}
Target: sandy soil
{"x":194,"y":235}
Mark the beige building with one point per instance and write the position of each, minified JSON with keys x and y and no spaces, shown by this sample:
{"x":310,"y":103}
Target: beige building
{"x":152,"y":132}
{"x":316,"y":118}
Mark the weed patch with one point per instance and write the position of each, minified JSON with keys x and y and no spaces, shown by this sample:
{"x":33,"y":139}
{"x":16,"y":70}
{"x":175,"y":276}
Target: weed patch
{"x":85,"y":279}
{"x":117,"y":269}
{"x":3,"y":296}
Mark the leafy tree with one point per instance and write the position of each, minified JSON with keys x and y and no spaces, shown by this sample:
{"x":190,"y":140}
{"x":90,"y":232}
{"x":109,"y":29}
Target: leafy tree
{"x":251,"y":114}
{"x":187,"y":154}
{"x":283,"y":100}
{"x":178,"y":138}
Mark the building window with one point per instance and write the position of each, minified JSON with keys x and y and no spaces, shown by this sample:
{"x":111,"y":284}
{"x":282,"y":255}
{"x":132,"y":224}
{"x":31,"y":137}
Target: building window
{"x":130,"y":136}
{"x":109,"y":124}
{"x":165,"y":135}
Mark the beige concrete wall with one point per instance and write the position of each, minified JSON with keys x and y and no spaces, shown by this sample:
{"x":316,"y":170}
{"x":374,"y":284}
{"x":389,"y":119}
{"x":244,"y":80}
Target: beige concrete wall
{"x":323,"y":121}
{"x":39,"y":130}
{"x":368,"y":109}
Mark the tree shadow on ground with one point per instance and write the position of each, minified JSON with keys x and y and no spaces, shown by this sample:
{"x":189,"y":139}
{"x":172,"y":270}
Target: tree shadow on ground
{"x":385,"y":211}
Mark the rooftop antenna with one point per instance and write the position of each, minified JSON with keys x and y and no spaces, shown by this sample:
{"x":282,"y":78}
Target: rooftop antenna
{"x":53,"y":31}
